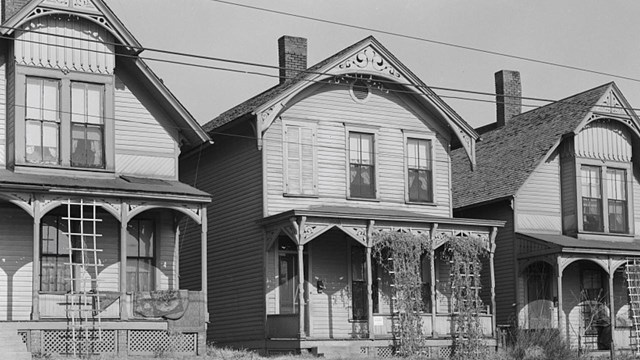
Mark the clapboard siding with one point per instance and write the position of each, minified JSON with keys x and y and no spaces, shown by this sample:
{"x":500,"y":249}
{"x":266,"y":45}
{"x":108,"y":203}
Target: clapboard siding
{"x":333,"y":110}
{"x":165,"y":262}
{"x":636,"y":200}
{"x":78,"y":45}
{"x":155,"y":153}
{"x":231,"y":171}
{"x":568,"y":193}
{"x":189,"y":256}
{"x":16,"y":253}
{"x":3,"y":106}
{"x":538,"y":200}
{"x":503,"y":258}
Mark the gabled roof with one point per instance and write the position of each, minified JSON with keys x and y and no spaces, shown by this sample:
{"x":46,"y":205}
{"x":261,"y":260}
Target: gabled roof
{"x":507,"y":156}
{"x":93,"y":11}
{"x":332,"y":66}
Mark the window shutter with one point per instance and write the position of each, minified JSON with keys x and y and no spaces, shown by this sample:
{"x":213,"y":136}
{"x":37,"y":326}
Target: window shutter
{"x":292,"y":138}
{"x":307,"y":161}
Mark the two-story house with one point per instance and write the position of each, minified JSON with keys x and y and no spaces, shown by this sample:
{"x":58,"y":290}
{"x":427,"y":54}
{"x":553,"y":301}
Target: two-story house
{"x":565,"y":179}
{"x":90,"y":202}
{"x":304,"y":177}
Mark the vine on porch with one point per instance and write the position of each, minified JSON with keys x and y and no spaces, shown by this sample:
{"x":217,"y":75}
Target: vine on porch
{"x":400,"y":253}
{"x":465,"y":253}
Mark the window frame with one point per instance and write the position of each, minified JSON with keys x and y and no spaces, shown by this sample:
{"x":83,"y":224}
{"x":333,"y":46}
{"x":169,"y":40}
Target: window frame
{"x":17,"y":152}
{"x":363,"y":130}
{"x":432,"y":139}
{"x":153,"y":258}
{"x":603,"y":167}
{"x":64,"y":256}
{"x":285,"y":158}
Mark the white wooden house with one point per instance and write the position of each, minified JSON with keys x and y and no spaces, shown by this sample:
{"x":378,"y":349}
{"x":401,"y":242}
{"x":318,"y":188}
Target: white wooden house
{"x":565,"y":179}
{"x":83,"y":120}
{"x":306,"y":173}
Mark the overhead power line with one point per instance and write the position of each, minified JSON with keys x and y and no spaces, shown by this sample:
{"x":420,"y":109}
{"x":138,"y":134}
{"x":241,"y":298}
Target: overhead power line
{"x":437,"y":42}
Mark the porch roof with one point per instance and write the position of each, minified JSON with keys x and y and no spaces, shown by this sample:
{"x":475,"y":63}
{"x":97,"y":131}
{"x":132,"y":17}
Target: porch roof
{"x":127,"y":186}
{"x":359,"y":213}
{"x":563,"y":242}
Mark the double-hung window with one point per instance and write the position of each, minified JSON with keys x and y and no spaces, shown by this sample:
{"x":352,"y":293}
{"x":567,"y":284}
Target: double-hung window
{"x":42,"y":121}
{"x":87,"y":125}
{"x":419,"y":170}
{"x":55,"y":273}
{"x":358,"y":283}
{"x":604,"y":199}
{"x":362,"y":174}
{"x":140,"y":255}
{"x":300,"y":159}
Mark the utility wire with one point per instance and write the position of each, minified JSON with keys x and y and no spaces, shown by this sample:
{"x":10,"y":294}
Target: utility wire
{"x":411,"y":37}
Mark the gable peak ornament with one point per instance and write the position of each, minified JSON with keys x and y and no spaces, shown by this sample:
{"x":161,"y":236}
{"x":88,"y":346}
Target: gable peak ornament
{"x":369,"y":59}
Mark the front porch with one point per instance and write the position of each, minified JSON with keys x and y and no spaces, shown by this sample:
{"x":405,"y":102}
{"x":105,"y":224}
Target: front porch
{"x":578,"y":287}
{"x":320,"y":264}
{"x":107,"y":263}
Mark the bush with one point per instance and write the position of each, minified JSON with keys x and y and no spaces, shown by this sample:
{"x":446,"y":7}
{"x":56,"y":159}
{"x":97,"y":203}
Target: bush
{"x":543,"y":344}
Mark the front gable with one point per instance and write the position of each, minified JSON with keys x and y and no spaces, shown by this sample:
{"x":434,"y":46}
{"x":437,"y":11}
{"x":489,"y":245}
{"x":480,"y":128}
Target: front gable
{"x":370,"y":61}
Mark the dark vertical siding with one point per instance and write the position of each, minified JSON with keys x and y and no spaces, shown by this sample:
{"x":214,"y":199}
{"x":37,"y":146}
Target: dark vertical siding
{"x":568,"y":188}
{"x":503,"y":259}
{"x":231,"y":171}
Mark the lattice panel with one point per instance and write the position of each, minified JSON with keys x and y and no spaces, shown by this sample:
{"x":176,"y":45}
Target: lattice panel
{"x":444,"y":351}
{"x":23,"y":336}
{"x":57,"y":342}
{"x":157,"y":341}
{"x":384,"y":352}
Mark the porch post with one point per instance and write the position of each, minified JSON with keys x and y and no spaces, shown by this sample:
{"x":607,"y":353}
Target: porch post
{"x":492,"y":271}
{"x":432,"y":266}
{"x":301,"y":289}
{"x":35,"y":286}
{"x":124,"y":221}
{"x":612,"y":314}
{"x":203,"y":257}
{"x":370,"y":327}
{"x":560,"y":317}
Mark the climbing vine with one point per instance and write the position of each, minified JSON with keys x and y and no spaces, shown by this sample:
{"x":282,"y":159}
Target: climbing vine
{"x":465,"y":254}
{"x":400,"y":254}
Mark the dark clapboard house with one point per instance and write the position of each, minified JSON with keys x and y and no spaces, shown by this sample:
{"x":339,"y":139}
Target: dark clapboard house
{"x":565,"y":178}
{"x":303,"y":176}
{"x":90,"y":200}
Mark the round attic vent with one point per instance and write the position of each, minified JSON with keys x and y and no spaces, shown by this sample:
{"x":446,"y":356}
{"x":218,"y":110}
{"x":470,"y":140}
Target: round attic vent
{"x":360,"y":90}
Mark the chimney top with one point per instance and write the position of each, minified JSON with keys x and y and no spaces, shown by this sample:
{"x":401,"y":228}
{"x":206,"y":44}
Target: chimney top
{"x":508,"y":96}
{"x":292,"y":56}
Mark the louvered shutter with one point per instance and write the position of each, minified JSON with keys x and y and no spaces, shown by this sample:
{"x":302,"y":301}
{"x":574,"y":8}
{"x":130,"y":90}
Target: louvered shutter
{"x":293,"y":159}
{"x":300,"y":175}
{"x":308,"y":168}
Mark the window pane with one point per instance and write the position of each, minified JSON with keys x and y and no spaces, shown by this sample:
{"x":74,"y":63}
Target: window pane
{"x":412,"y":153}
{"x":78,"y":103}
{"x":618,"y":216}
{"x":146,"y":232}
{"x":616,"y":184}
{"x":94,"y":151}
{"x":34,"y":98}
{"x":94,"y":104}
{"x":86,"y":146}
{"x":354,"y":148}
{"x":132,"y":239}
{"x":33,"y":145}
{"x":132,"y":274}
{"x":357,"y":264}
{"x":367,"y":149}
{"x":50,"y":142}
{"x":590,"y":176}
{"x":50,"y":100}
{"x":591,"y":199}
{"x":359,"y":290}
{"x":145,"y":275}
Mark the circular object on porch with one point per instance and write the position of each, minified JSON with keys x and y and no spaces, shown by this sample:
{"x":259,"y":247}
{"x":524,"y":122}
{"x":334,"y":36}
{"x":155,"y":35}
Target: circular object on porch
{"x":360,"y":91}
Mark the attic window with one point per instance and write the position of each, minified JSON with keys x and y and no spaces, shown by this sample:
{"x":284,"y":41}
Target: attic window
{"x":359,"y":91}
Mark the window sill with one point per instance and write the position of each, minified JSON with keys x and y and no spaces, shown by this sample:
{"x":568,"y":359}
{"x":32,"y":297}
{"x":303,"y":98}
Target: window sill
{"x":315,"y":196}
{"x":421,"y":203}
{"x":592,"y":235}
{"x":58,"y":170}
{"x":363,"y":199}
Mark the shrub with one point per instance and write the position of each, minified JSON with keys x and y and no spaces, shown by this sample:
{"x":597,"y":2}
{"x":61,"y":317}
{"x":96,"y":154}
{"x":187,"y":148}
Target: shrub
{"x":543,"y":344}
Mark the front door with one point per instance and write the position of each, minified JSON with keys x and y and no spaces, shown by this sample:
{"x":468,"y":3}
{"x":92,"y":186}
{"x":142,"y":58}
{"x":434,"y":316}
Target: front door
{"x":288,"y":281}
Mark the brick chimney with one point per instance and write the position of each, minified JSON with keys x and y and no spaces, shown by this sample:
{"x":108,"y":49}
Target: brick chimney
{"x":9,"y":7}
{"x":292,"y":55}
{"x":508,"y":96}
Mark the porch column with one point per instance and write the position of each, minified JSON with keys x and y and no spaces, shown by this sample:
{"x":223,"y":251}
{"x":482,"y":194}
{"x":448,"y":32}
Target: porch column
{"x":434,"y":308}
{"x":612,"y":314}
{"x":203,"y":256}
{"x":301,"y":290}
{"x":492,"y":272}
{"x":560,"y":317}
{"x":35,"y":286}
{"x":369,"y":294}
{"x":124,"y":220}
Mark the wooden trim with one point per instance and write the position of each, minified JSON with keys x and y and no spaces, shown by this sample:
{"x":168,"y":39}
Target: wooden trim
{"x":35,"y":297}
{"x":432,"y":138}
{"x":124,"y":222}
{"x":492,"y":273}
{"x":612,"y":314}
{"x":559,"y":283}
{"x":204,"y":252}
{"x":301,"y":305}
{"x":369,"y":292}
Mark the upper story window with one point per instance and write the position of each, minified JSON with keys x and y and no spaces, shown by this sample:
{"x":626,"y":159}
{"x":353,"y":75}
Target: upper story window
{"x":87,"y":129}
{"x":362,"y":174}
{"x":42,"y":121}
{"x":604,"y":199}
{"x":300,"y":174}
{"x":67,"y":119}
{"x":419,"y":170}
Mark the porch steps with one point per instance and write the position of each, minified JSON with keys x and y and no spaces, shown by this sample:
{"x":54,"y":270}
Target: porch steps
{"x":632,"y":271}
{"x":12,"y":346}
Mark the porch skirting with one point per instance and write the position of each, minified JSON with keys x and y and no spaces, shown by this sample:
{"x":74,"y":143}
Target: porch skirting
{"x":118,"y":337}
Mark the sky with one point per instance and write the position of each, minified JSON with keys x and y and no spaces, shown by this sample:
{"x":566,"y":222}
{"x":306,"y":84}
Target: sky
{"x":595,"y":35}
